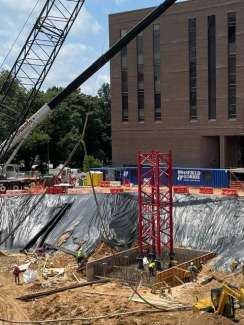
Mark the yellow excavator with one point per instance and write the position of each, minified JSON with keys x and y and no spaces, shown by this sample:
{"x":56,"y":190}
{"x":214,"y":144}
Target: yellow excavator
{"x":221,"y":301}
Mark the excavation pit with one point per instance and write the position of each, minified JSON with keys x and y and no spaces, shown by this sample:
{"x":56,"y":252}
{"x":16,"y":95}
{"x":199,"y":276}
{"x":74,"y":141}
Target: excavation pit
{"x":123,"y":267}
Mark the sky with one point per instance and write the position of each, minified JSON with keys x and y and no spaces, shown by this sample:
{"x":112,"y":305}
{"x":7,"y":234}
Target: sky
{"x":87,"y":40}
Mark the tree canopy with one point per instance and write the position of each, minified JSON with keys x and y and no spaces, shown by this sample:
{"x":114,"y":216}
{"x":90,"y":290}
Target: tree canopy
{"x":55,"y":138}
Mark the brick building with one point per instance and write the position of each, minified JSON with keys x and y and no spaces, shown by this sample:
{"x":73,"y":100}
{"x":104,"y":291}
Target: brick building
{"x":180,"y":85}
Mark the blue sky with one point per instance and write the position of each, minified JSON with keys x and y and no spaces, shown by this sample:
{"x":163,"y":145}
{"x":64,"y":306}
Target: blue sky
{"x":86,"y":41}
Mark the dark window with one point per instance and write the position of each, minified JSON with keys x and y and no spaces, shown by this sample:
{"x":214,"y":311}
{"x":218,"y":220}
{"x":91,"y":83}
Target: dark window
{"x":192,"y":41}
{"x":125,"y":111}
{"x":140,"y":76}
{"x":211,"y":67}
{"x":232,"y":65}
{"x":157,"y":66}
{"x":157,"y":101}
{"x":124,"y":81}
{"x":140,"y":106}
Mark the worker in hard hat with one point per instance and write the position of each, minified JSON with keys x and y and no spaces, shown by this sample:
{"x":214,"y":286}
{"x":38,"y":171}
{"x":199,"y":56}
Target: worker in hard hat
{"x":16,"y":273}
{"x":193,"y":271}
{"x":242,"y":268}
{"x":152,"y":267}
{"x":80,"y":257}
{"x":234,"y":264}
{"x":145,"y":263}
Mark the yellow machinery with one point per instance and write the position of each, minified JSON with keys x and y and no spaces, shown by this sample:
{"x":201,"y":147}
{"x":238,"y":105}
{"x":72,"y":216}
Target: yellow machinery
{"x":222,"y":301}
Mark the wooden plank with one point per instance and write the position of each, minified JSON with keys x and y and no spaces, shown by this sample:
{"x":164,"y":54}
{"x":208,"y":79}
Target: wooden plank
{"x":164,"y":303}
{"x":57,"y":290}
{"x":178,"y":279}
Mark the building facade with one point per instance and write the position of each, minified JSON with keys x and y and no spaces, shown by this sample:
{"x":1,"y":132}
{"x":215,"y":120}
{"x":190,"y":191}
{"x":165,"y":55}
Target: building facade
{"x":180,"y":85}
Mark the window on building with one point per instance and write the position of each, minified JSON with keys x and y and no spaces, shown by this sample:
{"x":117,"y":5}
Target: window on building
{"x":211,"y":67}
{"x":192,"y":41}
{"x":124,"y":81}
{"x":140,"y":76}
{"x":140,"y":100}
{"x":125,"y":110}
{"x":156,"y":66}
{"x":232,"y":65}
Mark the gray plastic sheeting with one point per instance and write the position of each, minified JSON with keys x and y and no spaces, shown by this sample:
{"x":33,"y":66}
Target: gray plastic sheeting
{"x":209,"y":223}
{"x":80,"y":225}
{"x":213,"y":223}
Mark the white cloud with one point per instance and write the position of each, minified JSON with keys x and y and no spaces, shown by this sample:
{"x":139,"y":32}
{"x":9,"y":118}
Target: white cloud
{"x":17,"y":5}
{"x":92,"y":85}
{"x":72,"y":60}
{"x":85,"y":24}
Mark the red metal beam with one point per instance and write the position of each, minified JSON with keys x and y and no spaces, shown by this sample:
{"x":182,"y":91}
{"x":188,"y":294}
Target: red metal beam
{"x":155,"y":204}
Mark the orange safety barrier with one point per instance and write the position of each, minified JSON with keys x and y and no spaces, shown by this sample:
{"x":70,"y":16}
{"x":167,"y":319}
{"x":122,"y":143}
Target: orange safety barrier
{"x":36,"y":189}
{"x":127,"y":185}
{"x":116,"y":190}
{"x":181,"y":189}
{"x":105,"y":183}
{"x":16,"y":192}
{"x":206,"y":190}
{"x":56,"y":190}
{"x":229,"y":192}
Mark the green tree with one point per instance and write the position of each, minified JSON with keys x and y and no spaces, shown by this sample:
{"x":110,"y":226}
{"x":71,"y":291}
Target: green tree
{"x":10,"y":104}
{"x":91,"y":162}
{"x":55,"y":138}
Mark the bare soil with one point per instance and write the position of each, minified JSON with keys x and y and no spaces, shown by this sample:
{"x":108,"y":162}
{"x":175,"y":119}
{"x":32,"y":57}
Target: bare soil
{"x":99,"y":299}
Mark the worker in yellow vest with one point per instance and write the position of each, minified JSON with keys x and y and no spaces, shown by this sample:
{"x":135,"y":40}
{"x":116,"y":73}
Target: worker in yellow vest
{"x":152,"y":267}
{"x":233,"y":264}
{"x":80,"y":257}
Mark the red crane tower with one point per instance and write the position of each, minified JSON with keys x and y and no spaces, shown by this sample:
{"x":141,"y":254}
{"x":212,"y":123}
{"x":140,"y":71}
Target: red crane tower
{"x":155,"y":205}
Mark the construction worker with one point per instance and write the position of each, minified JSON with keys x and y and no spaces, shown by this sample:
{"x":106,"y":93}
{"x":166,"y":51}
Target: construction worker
{"x":233,"y":264}
{"x":80,"y":257}
{"x":16,"y":273}
{"x":242,"y":268}
{"x":193,"y":271}
{"x":145,"y":264}
{"x":200,"y":267}
{"x":151,"y":267}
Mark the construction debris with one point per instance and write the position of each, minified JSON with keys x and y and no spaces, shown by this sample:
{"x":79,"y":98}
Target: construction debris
{"x":57,"y":290}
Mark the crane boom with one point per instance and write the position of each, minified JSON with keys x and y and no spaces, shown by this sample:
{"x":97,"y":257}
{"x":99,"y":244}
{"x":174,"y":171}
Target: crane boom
{"x":25,"y":129}
{"x":35,"y":60}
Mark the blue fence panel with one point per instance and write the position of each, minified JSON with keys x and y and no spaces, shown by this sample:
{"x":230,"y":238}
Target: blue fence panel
{"x":194,"y":177}
{"x":217,"y":178}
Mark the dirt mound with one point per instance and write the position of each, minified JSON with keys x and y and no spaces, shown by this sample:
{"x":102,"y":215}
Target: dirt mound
{"x":206,"y":319}
{"x":101,"y":251}
{"x":61,"y":259}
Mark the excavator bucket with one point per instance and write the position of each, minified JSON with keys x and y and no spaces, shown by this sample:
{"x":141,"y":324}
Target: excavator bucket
{"x":204,"y":305}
